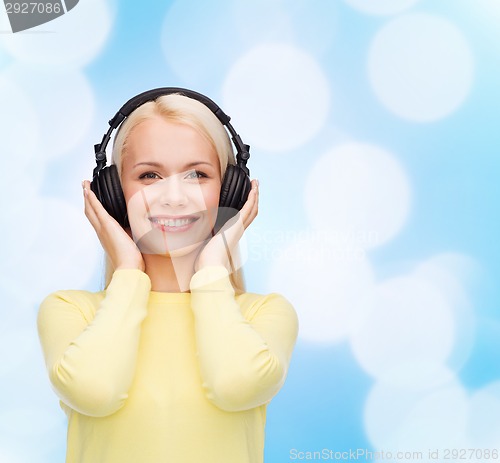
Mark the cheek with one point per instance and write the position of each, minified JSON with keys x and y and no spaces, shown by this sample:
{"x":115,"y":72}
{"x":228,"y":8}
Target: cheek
{"x":135,"y":202}
{"x":211,"y":197}
{"x":211,"y":202}
{"x":137,"y":212}
{"x":133,"y":198}
{"x":129,"y":190}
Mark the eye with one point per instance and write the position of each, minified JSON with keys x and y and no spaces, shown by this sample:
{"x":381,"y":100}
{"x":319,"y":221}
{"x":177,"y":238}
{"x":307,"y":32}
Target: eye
{"x":196,"y":174}
{"x":149,"y":176}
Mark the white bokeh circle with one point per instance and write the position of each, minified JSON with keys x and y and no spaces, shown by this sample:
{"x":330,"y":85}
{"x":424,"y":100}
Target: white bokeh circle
{"x":411,"y":324}
{"x":417,"y":375}
{"x":64,"y":102}
{"x":335,"y":286}
{"x":310,"y":24}
{"x":420,"y":67}
{"x":279,"y":95}
{"x":381,"y":7}
{"x":69,"y":41}
{"x":358,"y":190}
{"x":451,"y":273}
{"x":396,"y":418}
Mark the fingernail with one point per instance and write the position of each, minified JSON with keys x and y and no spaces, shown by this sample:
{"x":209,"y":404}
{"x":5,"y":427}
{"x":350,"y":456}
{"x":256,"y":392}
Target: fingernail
{"x":257,"y":182}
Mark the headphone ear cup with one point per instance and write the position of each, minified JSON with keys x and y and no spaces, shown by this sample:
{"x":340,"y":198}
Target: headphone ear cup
{"x":233,"y":194}
{"x":242,"y":189}
{"x":226,"y":186}
{"x":235,"y":188}
{"x":107,"y":187}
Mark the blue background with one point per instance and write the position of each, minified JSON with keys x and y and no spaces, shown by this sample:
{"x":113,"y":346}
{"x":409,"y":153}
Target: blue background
{"x":364,"y":117}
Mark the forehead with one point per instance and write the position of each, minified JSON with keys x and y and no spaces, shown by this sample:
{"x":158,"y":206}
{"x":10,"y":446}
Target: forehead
{"x":169,"y":143}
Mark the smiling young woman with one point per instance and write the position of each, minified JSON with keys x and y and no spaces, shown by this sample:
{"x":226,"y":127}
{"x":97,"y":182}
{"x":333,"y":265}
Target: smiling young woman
{"x":174,"y":361}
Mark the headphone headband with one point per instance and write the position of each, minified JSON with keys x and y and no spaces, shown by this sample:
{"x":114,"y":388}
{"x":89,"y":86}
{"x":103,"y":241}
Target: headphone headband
{"x":153,"y":94}
{"x":242,"y":150}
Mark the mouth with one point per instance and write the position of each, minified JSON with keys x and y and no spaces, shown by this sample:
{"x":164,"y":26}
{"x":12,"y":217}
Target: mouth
{"x":173,"y":223}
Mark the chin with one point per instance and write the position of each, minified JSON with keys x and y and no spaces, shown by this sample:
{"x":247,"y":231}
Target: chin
{"x":157,"y":242}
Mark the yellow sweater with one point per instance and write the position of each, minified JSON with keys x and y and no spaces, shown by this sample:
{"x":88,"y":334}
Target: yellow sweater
{"x":151,"y":377}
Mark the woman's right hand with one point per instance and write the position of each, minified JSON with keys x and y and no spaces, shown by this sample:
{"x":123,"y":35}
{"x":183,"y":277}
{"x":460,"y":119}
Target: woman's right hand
{"x":118,"y":245}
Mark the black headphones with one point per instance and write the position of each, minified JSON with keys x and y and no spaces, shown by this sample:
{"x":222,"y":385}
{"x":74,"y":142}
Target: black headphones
{"x":106,"y":183}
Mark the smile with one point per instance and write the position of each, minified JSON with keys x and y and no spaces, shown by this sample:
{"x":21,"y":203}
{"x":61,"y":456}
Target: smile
{"x":172,"y":224}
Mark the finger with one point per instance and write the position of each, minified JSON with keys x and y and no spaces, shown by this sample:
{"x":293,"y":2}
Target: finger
{"x":255,"y":204}
{"x":91,"y":216}
{"x":250,"y":210}
{"x":247,"y":207}
{"x":88,"y":209}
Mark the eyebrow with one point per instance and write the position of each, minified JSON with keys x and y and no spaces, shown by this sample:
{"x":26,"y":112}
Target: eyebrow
{"x":187,"y":166}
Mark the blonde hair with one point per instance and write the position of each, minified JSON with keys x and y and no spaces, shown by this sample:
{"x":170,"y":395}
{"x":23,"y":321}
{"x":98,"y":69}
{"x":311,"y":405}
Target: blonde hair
{"x":184,"y":110}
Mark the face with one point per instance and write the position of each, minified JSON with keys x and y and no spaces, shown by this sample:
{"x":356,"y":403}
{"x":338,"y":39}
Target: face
{"x":171,"y":183}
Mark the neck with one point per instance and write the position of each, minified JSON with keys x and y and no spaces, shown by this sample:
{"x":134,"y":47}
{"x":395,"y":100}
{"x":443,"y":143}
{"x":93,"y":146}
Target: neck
{"x":170,"y":274}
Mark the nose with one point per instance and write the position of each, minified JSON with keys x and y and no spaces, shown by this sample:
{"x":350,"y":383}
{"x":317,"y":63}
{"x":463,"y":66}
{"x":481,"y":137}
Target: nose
{"x":172,"y":192}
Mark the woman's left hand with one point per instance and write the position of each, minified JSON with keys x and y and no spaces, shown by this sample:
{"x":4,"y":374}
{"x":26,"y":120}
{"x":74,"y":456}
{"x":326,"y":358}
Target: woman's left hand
{"x":219,"y":249}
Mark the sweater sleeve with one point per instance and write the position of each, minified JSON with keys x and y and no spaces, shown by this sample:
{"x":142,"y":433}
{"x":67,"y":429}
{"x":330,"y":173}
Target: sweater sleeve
{"x":91,"y":360}
{"x":243,"y":362}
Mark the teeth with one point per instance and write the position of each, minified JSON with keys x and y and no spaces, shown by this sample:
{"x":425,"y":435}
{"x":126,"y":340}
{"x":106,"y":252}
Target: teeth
{"x":173,"y":222}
